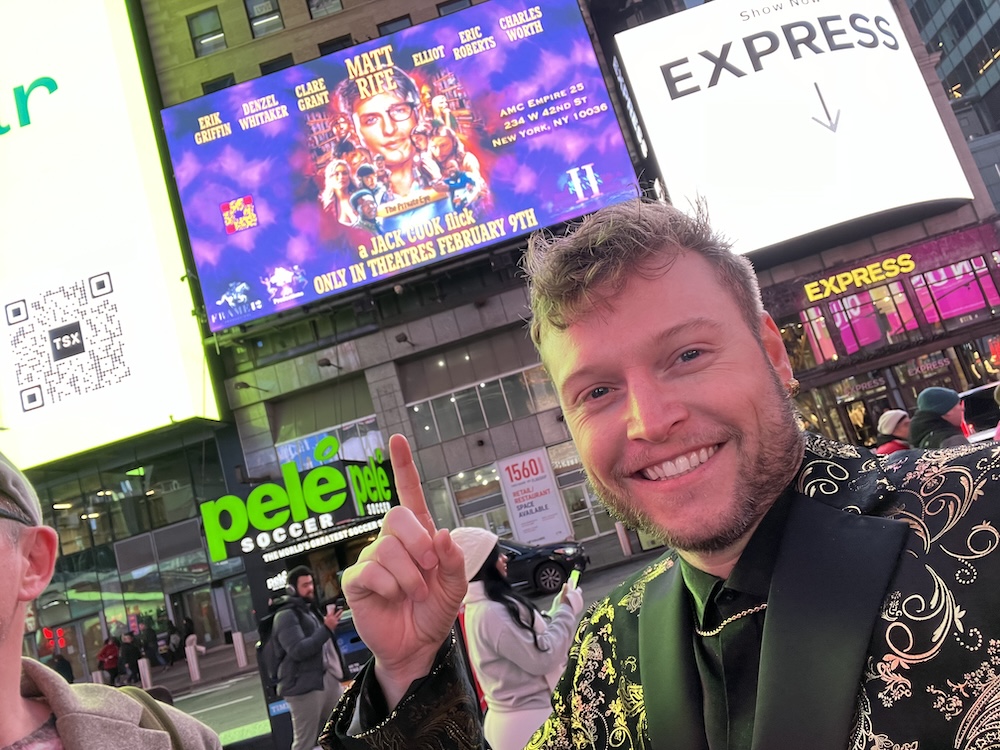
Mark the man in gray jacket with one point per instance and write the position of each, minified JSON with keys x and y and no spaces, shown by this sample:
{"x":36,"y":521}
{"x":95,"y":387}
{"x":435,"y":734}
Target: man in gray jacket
{"x":307,"y":673}
{"x":39,"y":708}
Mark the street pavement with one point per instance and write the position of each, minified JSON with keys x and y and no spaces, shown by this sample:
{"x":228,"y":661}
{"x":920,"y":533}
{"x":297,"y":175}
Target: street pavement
{"x":231,"y":701}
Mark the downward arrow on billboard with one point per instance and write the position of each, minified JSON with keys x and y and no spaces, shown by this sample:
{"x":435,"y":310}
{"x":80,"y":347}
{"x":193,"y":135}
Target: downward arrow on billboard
{"x":831,"y":122}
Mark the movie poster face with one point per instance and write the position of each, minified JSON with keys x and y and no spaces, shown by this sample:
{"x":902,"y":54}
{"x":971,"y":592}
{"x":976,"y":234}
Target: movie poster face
{"x":455,"y":135}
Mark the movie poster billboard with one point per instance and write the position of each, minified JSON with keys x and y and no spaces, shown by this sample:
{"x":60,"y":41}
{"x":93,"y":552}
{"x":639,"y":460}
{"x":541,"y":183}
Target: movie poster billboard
{"x":457,"y":134}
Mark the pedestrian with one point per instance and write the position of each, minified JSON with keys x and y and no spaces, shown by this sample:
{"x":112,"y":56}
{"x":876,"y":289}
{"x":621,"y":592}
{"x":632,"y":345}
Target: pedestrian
{"x":40,"y":710}
{"x":61,"y":664}
{"x":937,"y":422}
{"x":150,"y":644}
{"x":814,"y":595}
{"x":309,"y":671}
{"x":516,"y":654}
{"x":107,"y":659}
{"x":893,"y":431}
{"x":173,"y":643}
{"x":129,"y":656}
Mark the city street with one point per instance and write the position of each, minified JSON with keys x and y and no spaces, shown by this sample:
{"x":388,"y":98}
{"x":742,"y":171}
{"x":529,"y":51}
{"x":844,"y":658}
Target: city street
{"x":236,"y":710}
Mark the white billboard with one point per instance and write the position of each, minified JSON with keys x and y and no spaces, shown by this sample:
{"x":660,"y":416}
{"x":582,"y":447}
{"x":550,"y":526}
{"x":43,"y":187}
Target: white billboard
{"x":98,"y":340}
{"x":534,"y":505}
{"x":790,"y":117}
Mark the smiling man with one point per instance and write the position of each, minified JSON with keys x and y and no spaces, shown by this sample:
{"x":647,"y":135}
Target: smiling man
{"x":816,"y":596}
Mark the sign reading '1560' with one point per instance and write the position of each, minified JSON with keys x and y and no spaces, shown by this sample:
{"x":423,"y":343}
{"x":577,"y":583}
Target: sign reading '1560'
{"x":303,"y":505}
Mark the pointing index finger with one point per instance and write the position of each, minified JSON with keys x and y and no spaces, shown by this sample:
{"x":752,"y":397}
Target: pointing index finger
{"x":411,"y":494}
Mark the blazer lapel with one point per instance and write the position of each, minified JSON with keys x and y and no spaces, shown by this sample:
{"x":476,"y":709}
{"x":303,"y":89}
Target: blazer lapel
{"x":671,"y":686}
{"x":827,"y":588}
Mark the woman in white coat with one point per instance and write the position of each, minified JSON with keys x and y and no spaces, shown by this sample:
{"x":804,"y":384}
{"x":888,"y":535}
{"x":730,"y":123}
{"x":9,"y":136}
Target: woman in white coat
{"x":516,"y":653}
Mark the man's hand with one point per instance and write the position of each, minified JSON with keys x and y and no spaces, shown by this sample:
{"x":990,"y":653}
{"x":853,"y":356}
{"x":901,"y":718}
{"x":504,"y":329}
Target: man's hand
{"x":406,"y":587}
{"x":332,"y":618}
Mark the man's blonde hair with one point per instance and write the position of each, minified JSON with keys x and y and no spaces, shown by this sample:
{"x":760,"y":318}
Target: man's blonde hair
{"x":568,"y":276}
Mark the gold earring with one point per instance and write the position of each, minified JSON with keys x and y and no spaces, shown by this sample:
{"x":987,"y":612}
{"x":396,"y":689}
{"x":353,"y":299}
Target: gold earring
{"x":793,"y":387}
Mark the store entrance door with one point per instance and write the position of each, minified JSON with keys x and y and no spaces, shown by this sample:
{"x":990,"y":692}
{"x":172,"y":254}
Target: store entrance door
{"x":860,"y":418}
{"x":78,"y":641}
{"x":199,"y":606}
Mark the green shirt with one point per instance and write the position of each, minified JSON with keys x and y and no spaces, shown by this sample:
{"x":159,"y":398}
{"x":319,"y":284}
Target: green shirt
{"x":728,"y":662}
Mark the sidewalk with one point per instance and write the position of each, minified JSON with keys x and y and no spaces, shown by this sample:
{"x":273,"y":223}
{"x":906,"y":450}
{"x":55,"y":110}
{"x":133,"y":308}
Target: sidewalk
{"x":217,"y":665}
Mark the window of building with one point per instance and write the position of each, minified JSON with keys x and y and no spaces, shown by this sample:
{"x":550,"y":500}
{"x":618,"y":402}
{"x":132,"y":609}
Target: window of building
{"x":453,"y":6}
{"x":920,"y":13}
{"x":265,"y":17}
{"x":396,"y":24}
{"x":206,"y":31}
{"x":486,"y":404}
{"x":321,"y":8}
{"x":278,"y":63}
{"x":956,"y":295}
{"x":335,"y":45}
{"x":217,"y":84}
{"x":961,"y":20}
{"x":358,"y":440}
{"x":820,"y":341}
{"x":588,"y":516}
{"x":480,"y":499}
{"x":877,"y":316}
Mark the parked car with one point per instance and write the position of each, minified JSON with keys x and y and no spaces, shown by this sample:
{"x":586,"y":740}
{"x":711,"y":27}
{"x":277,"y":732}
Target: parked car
{"x":981,"y":412}
{"x":542,"y":568}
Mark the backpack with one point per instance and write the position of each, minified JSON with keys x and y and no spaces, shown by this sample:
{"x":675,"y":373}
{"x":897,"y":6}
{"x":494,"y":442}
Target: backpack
{"x":271,"y":652}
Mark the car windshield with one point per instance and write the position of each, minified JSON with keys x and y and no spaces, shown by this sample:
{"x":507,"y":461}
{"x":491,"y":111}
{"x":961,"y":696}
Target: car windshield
{"x":981,"y":411}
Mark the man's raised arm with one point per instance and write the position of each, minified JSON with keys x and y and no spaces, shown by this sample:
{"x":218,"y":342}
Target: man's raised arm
{"x":406,"y":587}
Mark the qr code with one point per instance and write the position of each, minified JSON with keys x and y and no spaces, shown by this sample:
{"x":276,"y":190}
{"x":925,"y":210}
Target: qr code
{"x":66,"y":342}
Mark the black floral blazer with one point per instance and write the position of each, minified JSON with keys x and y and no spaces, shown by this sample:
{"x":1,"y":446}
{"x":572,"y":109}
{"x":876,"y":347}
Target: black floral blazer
{"x":882,"y":630}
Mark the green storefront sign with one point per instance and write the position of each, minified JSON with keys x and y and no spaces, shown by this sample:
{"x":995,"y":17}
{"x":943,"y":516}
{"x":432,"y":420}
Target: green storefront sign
{"x":303,"y":505}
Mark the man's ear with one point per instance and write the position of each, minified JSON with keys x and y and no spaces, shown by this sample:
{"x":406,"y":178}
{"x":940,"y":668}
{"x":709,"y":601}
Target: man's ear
{"x":774,"y":348}
{"x":39,"y":545}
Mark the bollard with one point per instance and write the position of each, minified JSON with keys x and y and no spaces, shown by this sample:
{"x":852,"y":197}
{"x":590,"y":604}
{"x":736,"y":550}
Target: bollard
{"x":145,"y":676}
{"x":192,"y":661}
{"x":240,"y":647}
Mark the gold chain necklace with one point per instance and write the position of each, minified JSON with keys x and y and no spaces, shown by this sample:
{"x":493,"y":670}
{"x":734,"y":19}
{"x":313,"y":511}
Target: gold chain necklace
{"x":734,"y":618}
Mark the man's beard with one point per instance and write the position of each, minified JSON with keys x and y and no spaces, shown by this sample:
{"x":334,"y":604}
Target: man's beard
{"x":759,"y":483}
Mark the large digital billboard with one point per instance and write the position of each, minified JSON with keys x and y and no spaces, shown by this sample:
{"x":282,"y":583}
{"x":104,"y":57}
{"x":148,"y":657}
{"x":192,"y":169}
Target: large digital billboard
{"x":791,"y":118}
{"x":457,"y":134}
{"x":97,"y":338}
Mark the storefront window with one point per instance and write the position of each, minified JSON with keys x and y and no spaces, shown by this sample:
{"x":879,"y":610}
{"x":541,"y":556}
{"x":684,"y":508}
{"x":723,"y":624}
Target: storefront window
{"x":877,"y":316}
{"x":919,"y":369}
{"x":818,"y":414}
{"x":480,"y":499}
{"x":800,"y":353}
{"x":142,"y":591}
{"x":982,"y":359}
{"x":820,"y":344}
{"x":861,"y":399}
{"x":184,"y":571}
{"x":956,"y":295}
{"x":589,"y":517}
{"x":241,"y":604}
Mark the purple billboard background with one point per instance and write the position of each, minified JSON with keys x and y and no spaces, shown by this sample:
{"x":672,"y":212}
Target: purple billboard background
{"x":526,"y":138}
